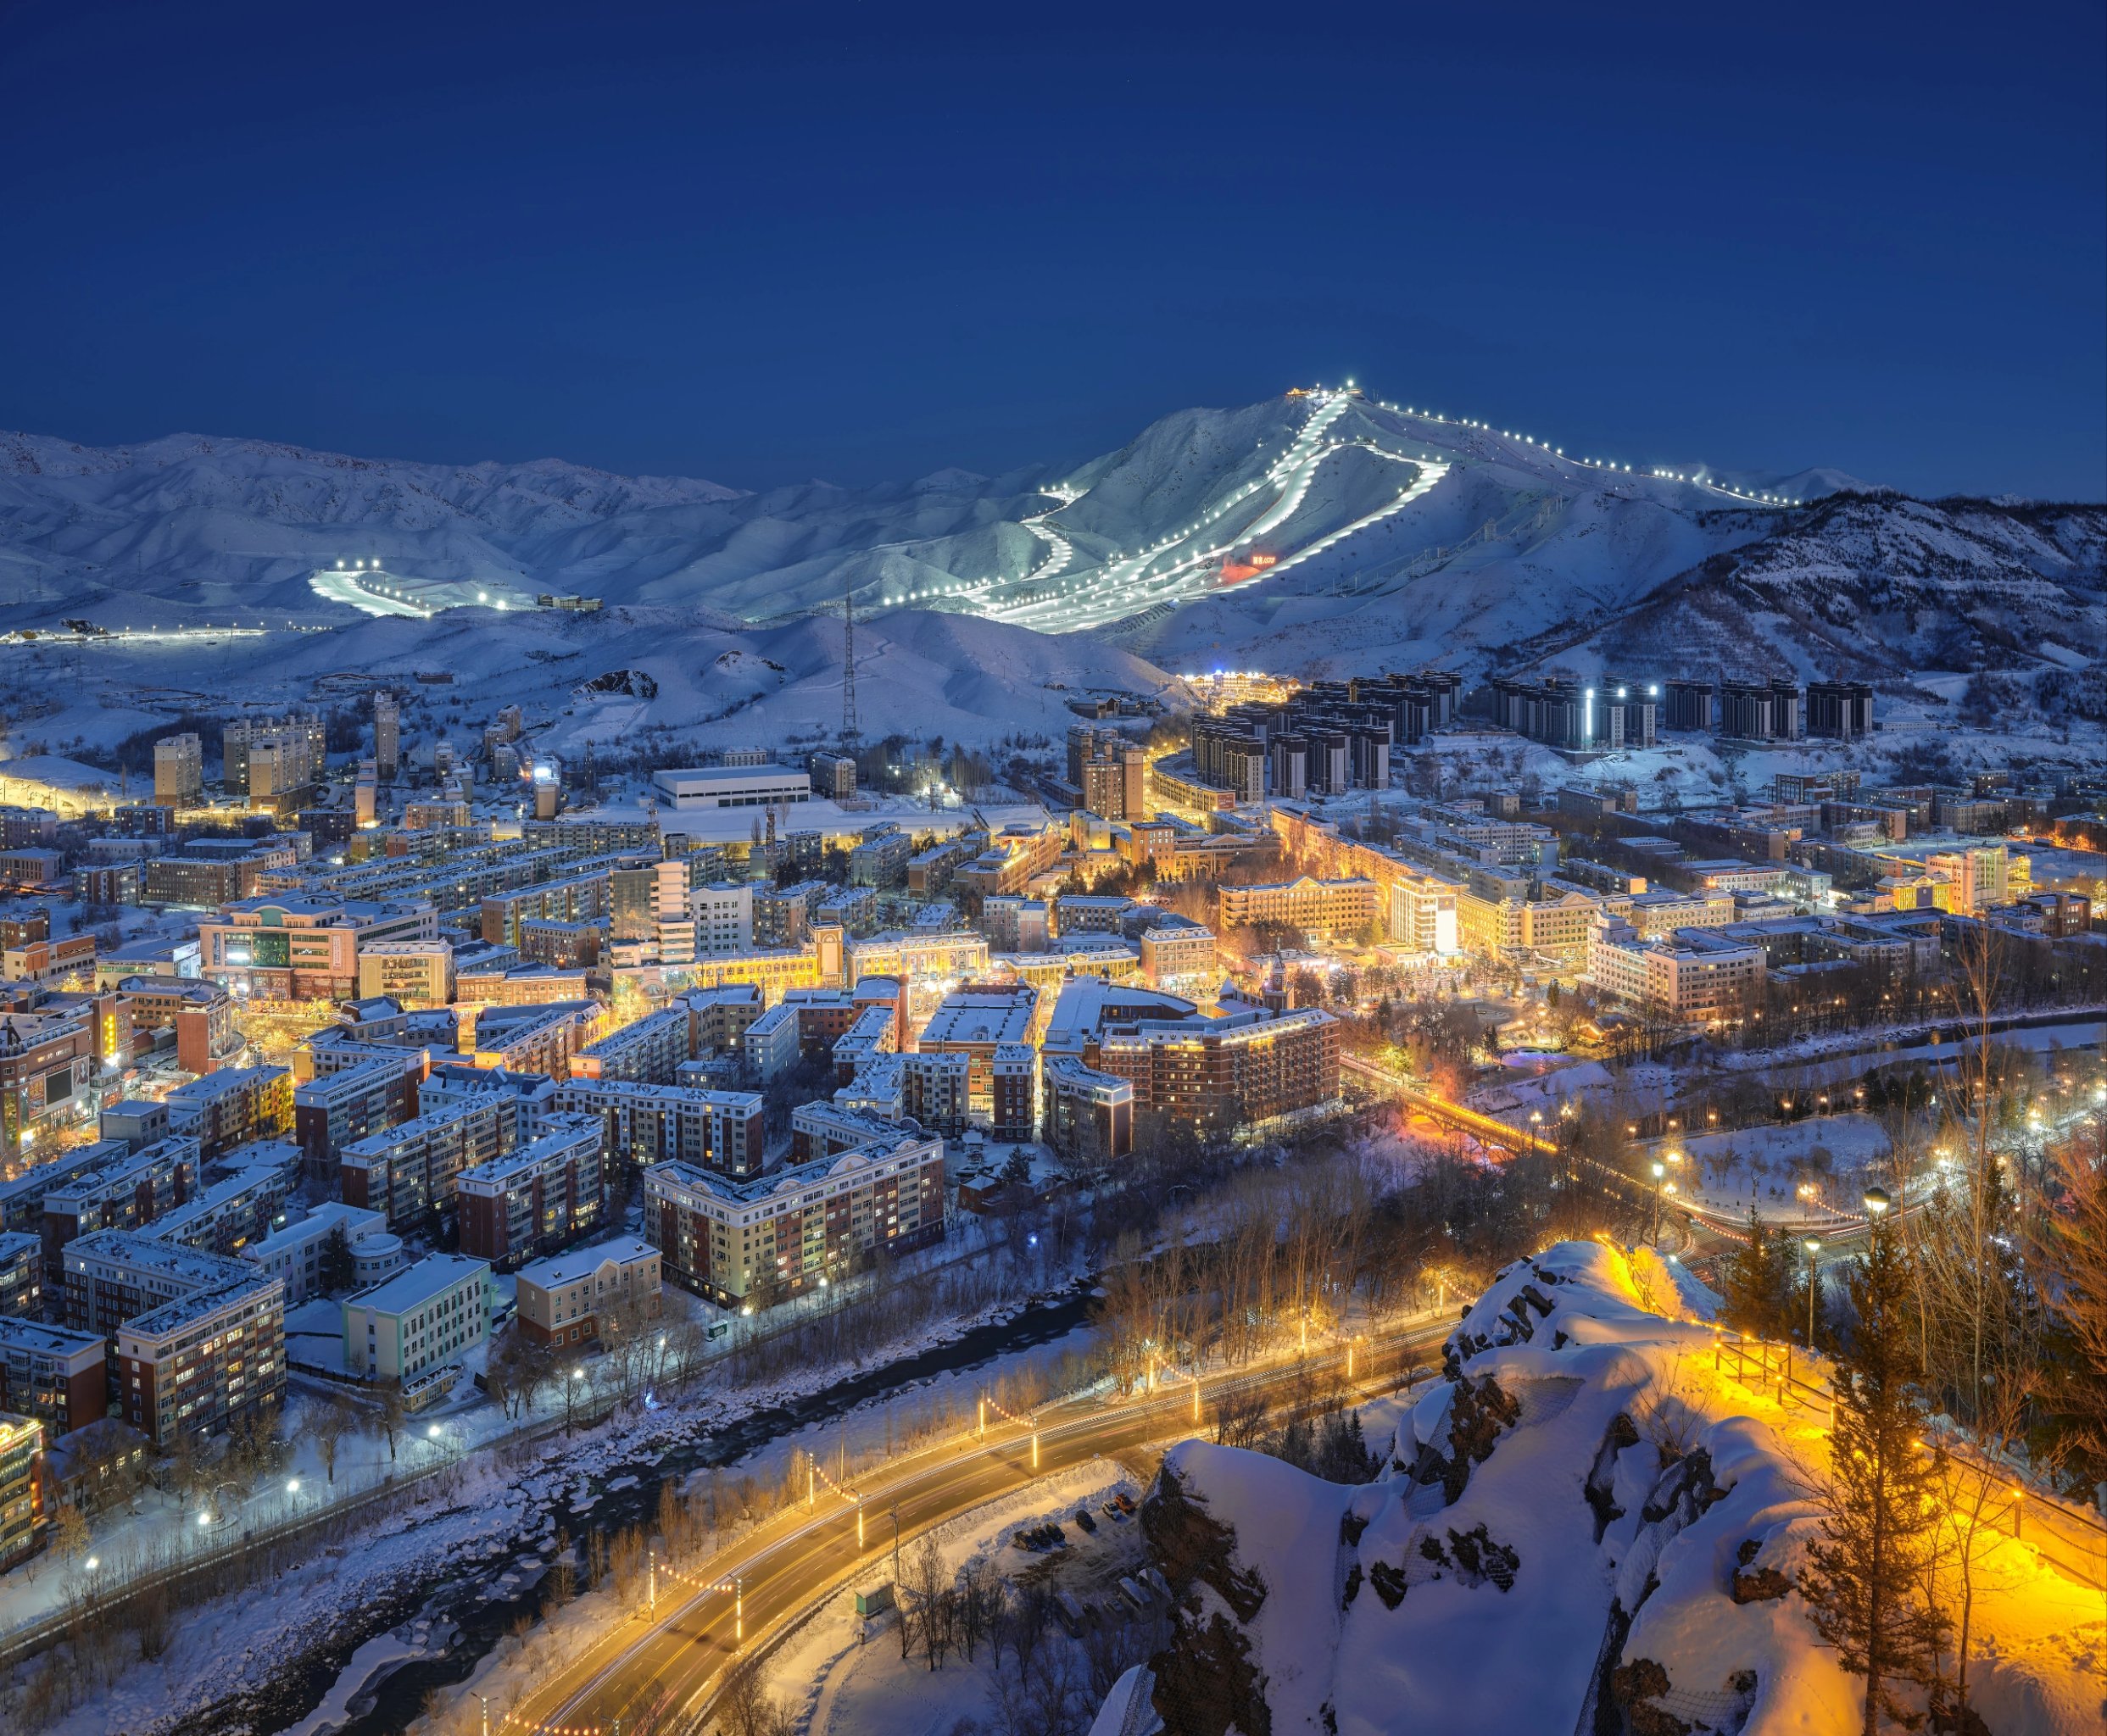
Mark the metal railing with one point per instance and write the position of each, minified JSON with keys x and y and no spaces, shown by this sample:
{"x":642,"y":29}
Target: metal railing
{"x":2070,"y":1538}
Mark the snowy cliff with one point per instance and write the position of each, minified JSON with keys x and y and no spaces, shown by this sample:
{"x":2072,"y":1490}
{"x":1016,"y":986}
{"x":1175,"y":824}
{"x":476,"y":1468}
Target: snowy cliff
{"x":1580,"y":1528}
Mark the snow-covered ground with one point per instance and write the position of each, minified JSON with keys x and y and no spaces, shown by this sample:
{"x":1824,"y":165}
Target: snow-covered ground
{"x":1834,"y":1156}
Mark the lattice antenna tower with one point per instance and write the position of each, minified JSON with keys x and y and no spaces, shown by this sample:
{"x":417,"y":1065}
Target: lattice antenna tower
{"x":849,"y":731}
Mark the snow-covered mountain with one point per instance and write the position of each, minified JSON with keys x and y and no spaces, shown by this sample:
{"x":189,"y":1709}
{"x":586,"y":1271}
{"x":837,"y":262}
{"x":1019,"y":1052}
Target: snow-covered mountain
{"x":1581,"y":1527}
{"x":1319,"y":532}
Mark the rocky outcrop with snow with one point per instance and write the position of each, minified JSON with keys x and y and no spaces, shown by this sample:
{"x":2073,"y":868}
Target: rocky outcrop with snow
{"x":1577,"y":1530}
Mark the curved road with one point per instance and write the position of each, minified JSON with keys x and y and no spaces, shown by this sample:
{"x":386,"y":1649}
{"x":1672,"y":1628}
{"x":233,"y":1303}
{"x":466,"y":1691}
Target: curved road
{"x":659,"y":1679}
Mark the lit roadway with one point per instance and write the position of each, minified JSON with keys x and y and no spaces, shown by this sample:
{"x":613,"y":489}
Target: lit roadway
{"x":659,"y":1679}
{"x":1835,"y":1230}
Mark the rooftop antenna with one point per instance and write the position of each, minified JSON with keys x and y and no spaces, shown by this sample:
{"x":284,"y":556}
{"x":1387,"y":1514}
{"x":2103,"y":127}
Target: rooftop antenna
{"x":849,"y":731}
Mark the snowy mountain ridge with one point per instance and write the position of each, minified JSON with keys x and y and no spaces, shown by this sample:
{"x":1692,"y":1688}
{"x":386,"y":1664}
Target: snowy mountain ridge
{"x":1318,"y":532}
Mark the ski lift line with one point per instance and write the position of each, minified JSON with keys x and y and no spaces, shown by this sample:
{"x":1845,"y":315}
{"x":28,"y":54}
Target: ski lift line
{"x":1752,"y":497}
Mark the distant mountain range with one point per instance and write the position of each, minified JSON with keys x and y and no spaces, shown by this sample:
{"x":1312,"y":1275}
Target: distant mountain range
{"x":1320,"y":530}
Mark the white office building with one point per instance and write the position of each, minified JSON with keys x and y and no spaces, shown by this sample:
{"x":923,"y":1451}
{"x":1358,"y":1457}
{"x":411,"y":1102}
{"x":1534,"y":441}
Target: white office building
{"x":732,"y":787}
{"x":426,"y":1316}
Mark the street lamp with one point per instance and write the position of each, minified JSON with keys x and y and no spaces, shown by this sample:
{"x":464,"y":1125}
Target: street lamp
{"x":1813,"y":1244}
{"x":1877,"y":1201}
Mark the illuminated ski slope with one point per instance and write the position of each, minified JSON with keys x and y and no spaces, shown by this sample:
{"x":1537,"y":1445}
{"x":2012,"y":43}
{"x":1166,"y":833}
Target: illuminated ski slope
{"x":1077,"y":586}
{"x":1187,"y":562}
{"x":364,"y":590}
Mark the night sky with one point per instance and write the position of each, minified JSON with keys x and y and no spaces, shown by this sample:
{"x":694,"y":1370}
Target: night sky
{"x":762,"y":243}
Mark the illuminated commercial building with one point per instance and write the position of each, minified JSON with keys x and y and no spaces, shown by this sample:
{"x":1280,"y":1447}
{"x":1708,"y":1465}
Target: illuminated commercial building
{"x":1329,"y":906}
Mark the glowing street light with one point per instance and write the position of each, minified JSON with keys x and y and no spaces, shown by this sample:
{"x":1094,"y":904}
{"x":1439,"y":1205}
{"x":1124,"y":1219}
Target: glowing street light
{"x":1813,"y":1244}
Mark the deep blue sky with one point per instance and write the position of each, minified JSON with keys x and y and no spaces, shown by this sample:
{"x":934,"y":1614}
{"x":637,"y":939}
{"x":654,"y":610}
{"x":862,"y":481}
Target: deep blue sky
{"x":762,"y":243}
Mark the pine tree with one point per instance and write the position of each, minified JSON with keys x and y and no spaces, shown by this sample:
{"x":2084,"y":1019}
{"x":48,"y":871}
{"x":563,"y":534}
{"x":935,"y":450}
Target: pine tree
{"x":1865,"y":1573}
{"x":1751,"y":1282}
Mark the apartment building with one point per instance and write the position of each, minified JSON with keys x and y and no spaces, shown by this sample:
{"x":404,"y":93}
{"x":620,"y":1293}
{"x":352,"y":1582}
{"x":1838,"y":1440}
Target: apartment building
{"x":880,"y":856}
{"x":54,"y":1373}
{"x":179,"y":771}
{"x":536,"y":1197}
{"x":129,"y":1191}
{"x":426,"y":1316}
{"x":1088,"y":1115}
{"x":198,"y":1338}
{"x":585,"y":897}
{"x":386,"y":735}
{"x":408,"y":1172}
{"x":1016,"y":925}
{"x":229,"y":1214}
{"x":718,"y":1019}
{"x":234,"y":1106}
{"x":535,"y":1039}
{"x":643,"y":1125}
{"x":200,"y":1012}
{"x":648,"y":1052}
{"x":1215,"y":1074}
{"x":875,"y":1031}
{"x":1090,"y":913}
{"x":935,"y":1092}
{"x":21,"y":1274}
{"x":333,"y":1111}
{"x":22,"y":1515}
{"x":297,"y":1254}
{"x":1015,"y":856}
{"x":293,"y":750}
{"x":723,"y":918}
{"x":1184,"y":954}
{"x":209,"y":872}
{"x":566,"y":1298}
{"x":778,"y":1234}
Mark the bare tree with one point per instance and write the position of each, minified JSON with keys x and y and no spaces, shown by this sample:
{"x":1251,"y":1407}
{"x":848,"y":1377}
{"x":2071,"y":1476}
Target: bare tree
{"x":332,"y":1421}
{"x":393,"y":1415}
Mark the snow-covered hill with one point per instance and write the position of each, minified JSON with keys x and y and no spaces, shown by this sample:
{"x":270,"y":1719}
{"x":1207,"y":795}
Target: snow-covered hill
{"x":1320,"y":532}
{"x":623,"y":679}
{"x":1582,"y":1528}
